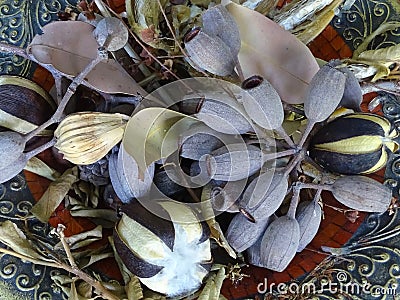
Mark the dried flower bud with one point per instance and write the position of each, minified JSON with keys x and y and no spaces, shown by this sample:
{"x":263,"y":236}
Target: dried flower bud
{"x":309,"y":214}
{"x":209,"y":53}
{"x":169,"y":251}
{"x":362,"y":193}
{"x":242,"y":233}
{"x":232,"y":162}
{"x":111,"y":33}
{"x":217,"y":21}
{"x":324,"y":93}
{"x":279,"y":243}
{"x":262,"y":102}
{"x":223,"y":117}
{"x":265,"y":194}
{"x":84,"y":138}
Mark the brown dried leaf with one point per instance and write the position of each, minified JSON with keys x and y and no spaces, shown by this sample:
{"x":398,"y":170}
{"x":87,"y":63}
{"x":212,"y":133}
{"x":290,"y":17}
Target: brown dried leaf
{"x":54,"y":195}
{"x":277,"y":55}
{"x":69,"y":46}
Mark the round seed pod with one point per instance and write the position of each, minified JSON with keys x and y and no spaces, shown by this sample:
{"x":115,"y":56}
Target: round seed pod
{"x":262,"y":102}
{"x":209,"y":53}
{"x":309,"y":215}
{"x":324,"y":93}
{"x":279,"y":243}
{"x":354,"y":144}
{"x":169,"y":252}
{"x":111,"y":33}
{"x":12,"y":145}
{"x":362,"y":193}
{"x":242,"y":234}
{"x":199,"y":144}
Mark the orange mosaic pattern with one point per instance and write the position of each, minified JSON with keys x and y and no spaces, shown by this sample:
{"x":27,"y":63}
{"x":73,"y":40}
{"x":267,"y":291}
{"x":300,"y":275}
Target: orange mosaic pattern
{"x":335,"y":229}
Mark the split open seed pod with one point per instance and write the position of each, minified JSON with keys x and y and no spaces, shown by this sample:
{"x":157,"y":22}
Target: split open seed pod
{"x":168,"y":251}
{"x":262,"y":102}
{"x":324,"y":93}
{"x":242,"y":233}
{"x":279,"y":243}
{"x":209,"y":53}
{"x":362,"y":193}
{"x":84,"y":138}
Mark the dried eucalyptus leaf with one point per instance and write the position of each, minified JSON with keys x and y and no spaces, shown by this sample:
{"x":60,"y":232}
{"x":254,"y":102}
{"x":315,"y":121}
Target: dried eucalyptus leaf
{"x":84,"y":289}
{"x":39,"y":167}
{"x":309,"y":215}
{"x":279,"y":243}
{"x":242,"y":233}
{"x":324,"y":93}
{"x":54,"y":195}
{"x":217,"y":21}
{"x":111,"y":33}
{"x":13,"y":237}
{"x":93,"y":259}
{"x":287,"y":63}
{"x":69,"y":46}
{"x":159,"y":129}
{"x":388,"y":54}
{"x":82,"y":239}
{"x":104,"y":217}
{"x":362,"y":193}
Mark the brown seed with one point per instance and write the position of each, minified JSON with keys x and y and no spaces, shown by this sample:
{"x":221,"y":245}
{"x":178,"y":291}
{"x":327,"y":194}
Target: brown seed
{"x":362,"y":193}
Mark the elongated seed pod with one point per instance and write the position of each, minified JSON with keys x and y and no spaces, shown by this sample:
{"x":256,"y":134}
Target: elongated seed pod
{"x":279,"y":243}
{"x":324,"y":93}
{"x":119,"y":184}
{"x":199,"y":144}
{"x":165,"y":185}
{"x":265,"y":194}
{"x":227,"y":118}
{"x":262,"y":102}
{"x":309,"y":215}
{"x":217,"y":21}
{"x":232,"y":162}
{"x":242,"y":233}
{"x":354,"y":144}
{"x":362,"y":193}
{"x":209,"y":53}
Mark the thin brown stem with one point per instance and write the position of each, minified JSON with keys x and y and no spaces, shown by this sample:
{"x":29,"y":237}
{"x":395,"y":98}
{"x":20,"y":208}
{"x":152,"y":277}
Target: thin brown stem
{"x":71,"y":260}
{"x":284,"y":153}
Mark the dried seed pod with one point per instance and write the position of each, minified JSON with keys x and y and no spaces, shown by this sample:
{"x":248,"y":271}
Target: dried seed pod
{"x":165,"y":185}
{"x":354,"y":144}
{"x":324,"y":93}
{"x":168,"y":248}
{"x":279,"y":243}
{"x":129,"y":171}
{"x":232,"y":162}
{"x":12,"y":145}
{"x":217,"y":21}
{"x":242,"y":233}
{"x":229,"y":118}
{"x":309,"y":214}
{"x":199,"y":144}
{"x":12,"y":169}
{"x":362,"y":193}
{"x":265,"y":194}
{"x":262,"y":102}
{"x":209,"y":53}
{"x":111,"y":33}
{"x":84,"y":138}
{"x":119,"y":184}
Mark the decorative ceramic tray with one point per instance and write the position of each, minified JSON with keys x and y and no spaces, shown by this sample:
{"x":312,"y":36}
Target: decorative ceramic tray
{"x":368,"y":256}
